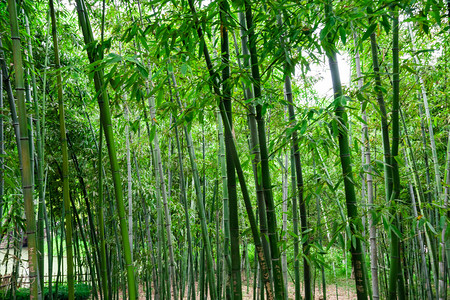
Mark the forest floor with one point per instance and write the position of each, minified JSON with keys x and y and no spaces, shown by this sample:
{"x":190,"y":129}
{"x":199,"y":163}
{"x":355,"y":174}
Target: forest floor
{"x":343,"y":290}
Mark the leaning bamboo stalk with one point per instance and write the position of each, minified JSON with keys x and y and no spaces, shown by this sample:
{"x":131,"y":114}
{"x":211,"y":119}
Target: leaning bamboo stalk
{"x":101,"y":220}
{"x":249,"y":209}
{"x":12,"y":105}
{"x":40,"y":142}
{"x":105,"y":116}
{"x":65,"y":159}
{"x":440,"y":287}
{"x":254,"y":142}
{"x":183,"y":196}
{"x":299,"y":176}
{"x":231,"y":175}
{"x":226,"y":221}
{"x":39,"y":161}
{"x":199,"y":197}
{"x":129,"y":179}
{"x":428,"y":115}
{"x":285,"y":187}
{"x":235,"y":157}
{"x":147,"y":228}
{"x":444,"y":253}
{"x":384,"y":119}
{"x":347,"y":172}
{"x":49,"y":234}
{"x":89,"y":211}
{"x":265,"y":170}
{"x":420,"y":195}
{"x":27,"y":172}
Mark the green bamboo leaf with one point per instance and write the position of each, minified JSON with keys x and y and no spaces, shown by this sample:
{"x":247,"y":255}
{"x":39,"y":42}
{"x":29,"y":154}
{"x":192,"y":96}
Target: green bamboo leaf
{"x":443,"y":220}
{"x":368,"y":32}
{"x":423,"y":51}
{"x":432,"y":229}
{"x":112,"y":58}
{"x":396,"y":231}
{"x":400,"y":161}
{"x":385,"y":22}
{"x":159,"y":97}
{"x":184,"y":68}
{"x":144,"y":43}
{"x":343,"y":34}
{"x":409,"y":69}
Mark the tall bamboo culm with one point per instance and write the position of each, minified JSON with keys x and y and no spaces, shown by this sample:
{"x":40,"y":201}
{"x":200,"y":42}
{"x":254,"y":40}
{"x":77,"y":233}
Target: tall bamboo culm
{"x":368,"y":181}
{"x":265,"y":170}
{"x":346,"y":163}
{"x":27,"y":172}
{"x":65,"y":159}
{"x":105,"y":116}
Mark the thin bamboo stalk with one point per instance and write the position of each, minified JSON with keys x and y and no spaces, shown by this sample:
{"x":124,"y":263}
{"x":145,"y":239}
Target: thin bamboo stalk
{"x":12,"y":105}
{"x":162,"y":185}
{"x":129,"y":179}
{"x":424,"y":269}
{"x":65,"y":160}
{"x":101,"y":220}
{"x":367,"y":179}
{"x":299,"y":177}
{"x":183,"y":197}
{"x":199,"y":197}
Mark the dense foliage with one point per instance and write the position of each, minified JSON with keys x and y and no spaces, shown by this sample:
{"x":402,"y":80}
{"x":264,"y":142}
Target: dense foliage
{"x":168,"y":149}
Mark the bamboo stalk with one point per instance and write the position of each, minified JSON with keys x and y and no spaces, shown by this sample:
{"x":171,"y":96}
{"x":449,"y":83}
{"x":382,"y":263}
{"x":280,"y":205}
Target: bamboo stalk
{"x":255,"y":151}
{"x":27,"y":171}
{"x":367,"y":179}
{"x":347,"y":172}
{"x":105,"y":116}
{"x":65,"y":160}
{"x":265,"y":171}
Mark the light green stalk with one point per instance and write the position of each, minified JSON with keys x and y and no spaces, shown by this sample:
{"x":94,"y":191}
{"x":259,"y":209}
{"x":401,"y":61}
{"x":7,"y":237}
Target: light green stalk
{"x":27,"y":172}
{"x":168,"y":221}
{"x":199,"y":198}
{"x":65,"y":159}
{"x":368,"y":180}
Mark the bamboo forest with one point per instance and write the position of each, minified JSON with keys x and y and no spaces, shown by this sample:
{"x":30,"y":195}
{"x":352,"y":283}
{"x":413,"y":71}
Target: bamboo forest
{"x":224,"y":149}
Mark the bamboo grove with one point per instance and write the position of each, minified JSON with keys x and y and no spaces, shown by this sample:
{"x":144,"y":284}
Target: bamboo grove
{"x":216,"y":150}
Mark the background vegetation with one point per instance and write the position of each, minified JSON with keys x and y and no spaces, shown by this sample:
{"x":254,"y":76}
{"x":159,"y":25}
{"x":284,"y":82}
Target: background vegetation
{"x":170,"y":149}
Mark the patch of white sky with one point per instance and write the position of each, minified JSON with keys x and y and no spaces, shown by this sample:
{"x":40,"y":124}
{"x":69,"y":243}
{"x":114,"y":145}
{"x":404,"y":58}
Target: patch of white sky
{"x":322,"y":87}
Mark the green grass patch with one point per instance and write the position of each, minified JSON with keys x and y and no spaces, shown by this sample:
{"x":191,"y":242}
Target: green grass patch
{"x":82,"y":292}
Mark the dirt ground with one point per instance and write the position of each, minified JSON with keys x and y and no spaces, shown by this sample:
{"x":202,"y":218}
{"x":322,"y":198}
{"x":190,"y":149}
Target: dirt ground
{"x":344,"y":292}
